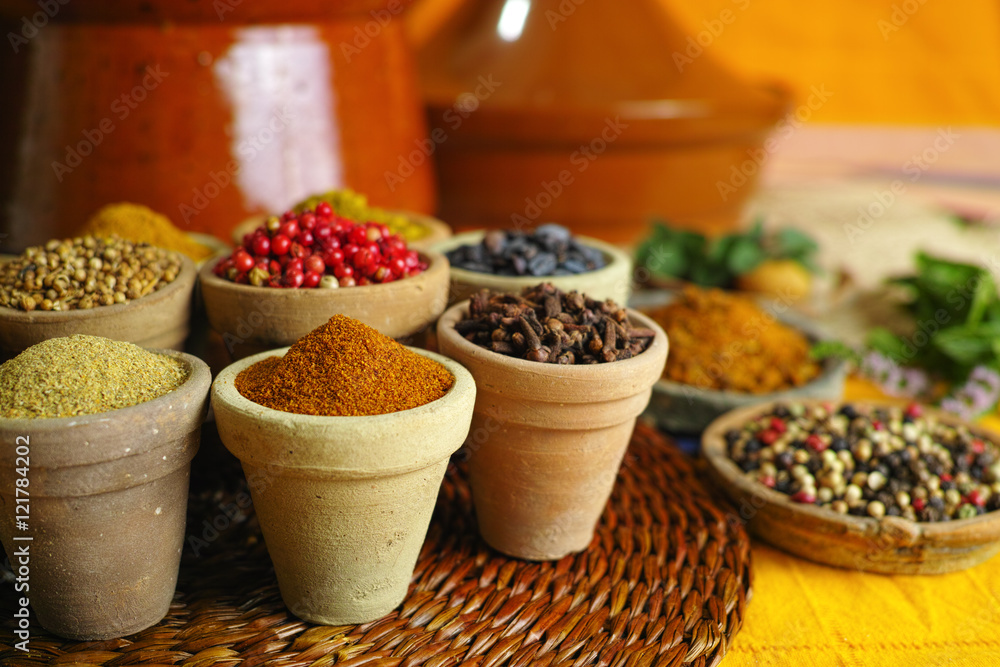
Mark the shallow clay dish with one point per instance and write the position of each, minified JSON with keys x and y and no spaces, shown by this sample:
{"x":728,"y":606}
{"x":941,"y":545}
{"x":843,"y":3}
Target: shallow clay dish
{"x":157,"y":320}
{"x":217,"y":246}
{"x":253,"y":319}
{"x":613,"y":281}
{"x":890,"y":545}
{"x":547,"y":439}
{"x":682,"y":408}
{"x":436,"y":230}
{"x":109,"y":498}
{"x":343,"y":502}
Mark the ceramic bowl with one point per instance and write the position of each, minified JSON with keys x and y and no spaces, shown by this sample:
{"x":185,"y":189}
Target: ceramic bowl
{"x":344,"y":502}
{"x":613,"y":281}
{"x":158,"y":320}
{"x":682,"y":408}
{"x":217,"y":246}
{"x":253,"y":319}
{"x":547,"y":440}
{"x":890,"y":545}
{"x":108,"y":504}
{"x":436,"y":230}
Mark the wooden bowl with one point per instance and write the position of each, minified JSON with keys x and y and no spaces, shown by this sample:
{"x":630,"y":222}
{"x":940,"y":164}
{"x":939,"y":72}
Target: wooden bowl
{"x":613,"y":281}
{"x":890,"y":545}
{"x":254,"y":319}
{"x":158,"y":320}
{"x":436,"y":230}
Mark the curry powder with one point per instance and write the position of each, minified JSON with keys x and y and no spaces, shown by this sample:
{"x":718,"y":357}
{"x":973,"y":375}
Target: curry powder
{"x":140,"y":223}
{"x":345,"y":368}
{"x":726,"y":342}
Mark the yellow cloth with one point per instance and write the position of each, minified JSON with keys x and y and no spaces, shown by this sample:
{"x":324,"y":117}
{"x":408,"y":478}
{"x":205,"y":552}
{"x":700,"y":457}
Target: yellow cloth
{"x":808,"y":615}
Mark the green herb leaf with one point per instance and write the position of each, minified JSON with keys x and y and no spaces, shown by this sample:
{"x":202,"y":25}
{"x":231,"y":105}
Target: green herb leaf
{"x":744,"y":256}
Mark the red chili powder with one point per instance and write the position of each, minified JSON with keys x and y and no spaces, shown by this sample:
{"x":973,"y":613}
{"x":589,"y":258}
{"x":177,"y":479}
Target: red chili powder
{"x":345,"y":368}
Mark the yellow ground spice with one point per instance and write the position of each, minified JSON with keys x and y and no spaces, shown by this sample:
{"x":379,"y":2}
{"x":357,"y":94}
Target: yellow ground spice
{"x":84,"y":375}
{"x":140,"y":223}
{"x":354,"y":206}
{"x":345,"y":368}
{"x":725,"y":341}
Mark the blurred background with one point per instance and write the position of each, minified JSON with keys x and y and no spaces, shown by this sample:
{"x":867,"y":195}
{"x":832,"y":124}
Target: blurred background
{"x":503,"y":113}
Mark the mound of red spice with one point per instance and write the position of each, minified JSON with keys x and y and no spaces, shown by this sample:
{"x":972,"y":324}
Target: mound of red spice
{"x":345,"y":368}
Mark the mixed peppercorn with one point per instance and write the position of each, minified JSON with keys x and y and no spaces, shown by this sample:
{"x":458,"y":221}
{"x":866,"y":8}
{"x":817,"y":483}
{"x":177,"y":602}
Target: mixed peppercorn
{"x":545,"y":324}
{"x":868,"y":461}
{"x":551,"y":250}
{"x":316,"y":248}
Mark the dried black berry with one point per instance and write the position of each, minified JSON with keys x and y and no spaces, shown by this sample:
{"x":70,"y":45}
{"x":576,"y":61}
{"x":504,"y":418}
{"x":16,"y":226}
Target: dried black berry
{"x":849,"y":411}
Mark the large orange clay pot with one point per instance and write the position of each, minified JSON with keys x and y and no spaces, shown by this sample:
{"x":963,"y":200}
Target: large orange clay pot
{"x":206,"y":111}
{"x":599,"y":114}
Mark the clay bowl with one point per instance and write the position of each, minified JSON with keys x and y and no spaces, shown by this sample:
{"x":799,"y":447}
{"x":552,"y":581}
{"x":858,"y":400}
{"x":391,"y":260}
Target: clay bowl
{"x":344,"y":502}
{"x":108,"y":504}
{"x":217,"y":246}
{"x":547,"y":440}
{"x":436,"y":230}
{"x":158,"y":320}
{"x":890,"y":545}
{"x":614,"y":281}
{"x":683,"y":408}
{"x":253,"y":319}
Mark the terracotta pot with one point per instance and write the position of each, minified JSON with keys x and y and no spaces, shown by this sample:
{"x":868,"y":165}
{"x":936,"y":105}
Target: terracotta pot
{"x":159,"y":320}
{"x":343,"y":502}
{"x":582,"y":113}
{"x":253,"y":319}
{"x":207,"y":112}
{"x":108,"y":502}
{"x":547,"y":440}
{"x":614,"y":281}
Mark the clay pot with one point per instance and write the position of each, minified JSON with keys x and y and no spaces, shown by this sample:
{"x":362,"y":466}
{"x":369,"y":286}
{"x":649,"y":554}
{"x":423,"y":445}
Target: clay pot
{"x":581,"y":112}
{"x":343,"y":502}
{"x":108,"y":502}
{"x":253,"y":319}
{"x":158,"y":320}
{"x":547,"y":440}
{"x":614,"y":281}
{"x":211,"y":112}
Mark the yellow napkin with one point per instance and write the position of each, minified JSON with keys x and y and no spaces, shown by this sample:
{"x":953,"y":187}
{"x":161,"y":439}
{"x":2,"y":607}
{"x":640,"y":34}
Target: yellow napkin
{"x":808,"y":615}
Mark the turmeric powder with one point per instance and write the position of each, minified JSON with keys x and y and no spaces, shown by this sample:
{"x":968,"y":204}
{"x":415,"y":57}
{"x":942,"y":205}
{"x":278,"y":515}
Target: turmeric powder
{"x":139,"y":223}
{"x":726,"y":342}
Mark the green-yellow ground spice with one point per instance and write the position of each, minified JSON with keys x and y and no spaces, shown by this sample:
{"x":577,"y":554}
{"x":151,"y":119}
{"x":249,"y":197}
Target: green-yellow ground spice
{"x":83,"y":375}
{"x":345,"y":368}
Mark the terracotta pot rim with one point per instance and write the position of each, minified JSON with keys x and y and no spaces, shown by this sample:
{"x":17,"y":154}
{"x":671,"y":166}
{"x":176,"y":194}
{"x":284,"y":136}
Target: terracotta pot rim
{"x":610,"y":374}
{"x":198,"y":382}
{"x":184,"y":281}
{"x":613,"y":256}
{"x":985,"y":527}
{"x":436,"y":262}
{"x":297,"y":426}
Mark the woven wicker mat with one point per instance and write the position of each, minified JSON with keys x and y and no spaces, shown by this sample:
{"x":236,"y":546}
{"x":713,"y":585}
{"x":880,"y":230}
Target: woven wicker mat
{"x":665,"y":582}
